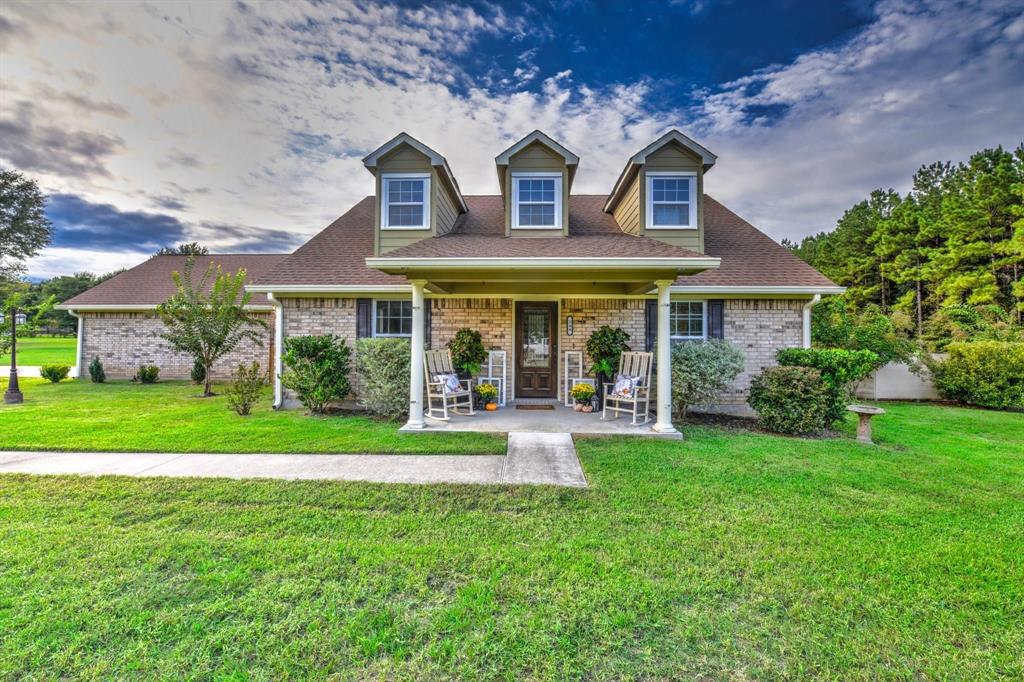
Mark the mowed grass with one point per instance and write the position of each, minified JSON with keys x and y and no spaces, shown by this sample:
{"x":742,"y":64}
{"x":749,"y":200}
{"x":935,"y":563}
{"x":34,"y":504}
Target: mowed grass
{"x":44,"y":350}
{"x":168,"y":416}
{"x":730,"y":555}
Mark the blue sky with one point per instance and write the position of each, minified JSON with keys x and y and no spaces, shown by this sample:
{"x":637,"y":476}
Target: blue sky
{"x":242,"y":125}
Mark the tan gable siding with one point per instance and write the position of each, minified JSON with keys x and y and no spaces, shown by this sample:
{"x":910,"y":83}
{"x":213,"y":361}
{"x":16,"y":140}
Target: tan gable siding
{"x":627,"y":213}
{"x":443,"y":207}
{"x":536,"y":157}
{"x":672,"y":157}
{"x":403,"y":159}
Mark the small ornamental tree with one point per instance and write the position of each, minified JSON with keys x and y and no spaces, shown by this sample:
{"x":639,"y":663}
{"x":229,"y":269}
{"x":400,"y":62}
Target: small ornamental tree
{"x":604,"y":347}
{"x":208,"y":319}
{"x":701,"y":371}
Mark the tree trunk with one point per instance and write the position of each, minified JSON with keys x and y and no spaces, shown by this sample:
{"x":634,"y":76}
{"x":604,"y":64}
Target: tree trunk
{"x":207,"y":392}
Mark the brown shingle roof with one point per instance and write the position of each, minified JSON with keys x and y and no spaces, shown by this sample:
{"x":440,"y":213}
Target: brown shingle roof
{"x":150,"y":283}
{"x":337,"y":255}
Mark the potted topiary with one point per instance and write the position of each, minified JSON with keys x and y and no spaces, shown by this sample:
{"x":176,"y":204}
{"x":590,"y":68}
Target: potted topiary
{"x":604,"y":347}
{"x":488,"y":394}
{"x":468,"y":352}
{"x":583,"y":394}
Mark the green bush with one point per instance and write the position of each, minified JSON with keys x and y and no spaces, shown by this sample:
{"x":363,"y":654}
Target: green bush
{"x":840,"y":370}
{"x":147,"y":374}
{"x":834,"y":325}
{"x":983,"y":373}
{"x":245,"y":389}
{"x":317,"y":369}
{"x":198,"y":371}
{"x":604,"y":347}
{"x":790,"y":400}
{"x":701,"y":371}
{"x":467,"y":348}
{"x":54,"y":373}
{"x":382,"y":366}
{"x":96,"y":372}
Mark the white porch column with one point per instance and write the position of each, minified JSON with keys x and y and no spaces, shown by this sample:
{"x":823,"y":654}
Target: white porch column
{"x":663,"y":424}
{"x":416,"y":364}
{"x":79,"y":370}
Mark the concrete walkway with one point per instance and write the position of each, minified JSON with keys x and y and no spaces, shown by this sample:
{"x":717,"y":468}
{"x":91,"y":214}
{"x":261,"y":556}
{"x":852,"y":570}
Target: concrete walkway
{"x":543,"y":460}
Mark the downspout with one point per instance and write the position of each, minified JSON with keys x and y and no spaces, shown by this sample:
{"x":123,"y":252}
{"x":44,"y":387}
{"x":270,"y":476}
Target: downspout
{"x":807,"y":319}
{"x":78,"y":345}
{"x":278,"y":341}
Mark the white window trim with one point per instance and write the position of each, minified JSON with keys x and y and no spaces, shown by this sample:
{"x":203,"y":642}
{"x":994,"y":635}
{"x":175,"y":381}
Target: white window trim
{"x":649,"y":182}
{"x":516,"y":177}
{"x":384,"y":180}
{"x":373,"y":321}
{"x":703,"y":324}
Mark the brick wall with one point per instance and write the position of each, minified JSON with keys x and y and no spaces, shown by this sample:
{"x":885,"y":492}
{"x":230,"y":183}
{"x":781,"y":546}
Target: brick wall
{"x":492,"y":317}
{"x":589,"y":314}
{"x":760,"y":327}
{"x":123,"y":341}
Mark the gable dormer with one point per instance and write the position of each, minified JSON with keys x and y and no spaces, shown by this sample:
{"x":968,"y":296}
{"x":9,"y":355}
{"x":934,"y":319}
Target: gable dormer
{"x":416,"y":194}
{"x":660,"y":192}
{"x":535,"y":175}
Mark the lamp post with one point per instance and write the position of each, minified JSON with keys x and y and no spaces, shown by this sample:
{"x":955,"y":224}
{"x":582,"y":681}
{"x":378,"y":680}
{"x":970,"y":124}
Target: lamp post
{"x":13,"y":393}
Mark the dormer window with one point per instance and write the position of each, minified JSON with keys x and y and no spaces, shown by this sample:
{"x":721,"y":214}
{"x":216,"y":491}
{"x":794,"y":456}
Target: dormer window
{"x":671,"y":201}
{"x":537,"y":201}
{"x":406,"y":201}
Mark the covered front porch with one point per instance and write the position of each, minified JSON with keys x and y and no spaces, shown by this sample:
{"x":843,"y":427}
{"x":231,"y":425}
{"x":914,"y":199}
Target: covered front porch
{"x":537,"y":283}
{"x":560,"y":419}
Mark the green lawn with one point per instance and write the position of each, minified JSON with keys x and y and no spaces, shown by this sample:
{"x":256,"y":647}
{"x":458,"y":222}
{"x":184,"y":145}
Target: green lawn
{"x":728,"y":555}
{"x":44,"y":350}
{"x":168,"y":417}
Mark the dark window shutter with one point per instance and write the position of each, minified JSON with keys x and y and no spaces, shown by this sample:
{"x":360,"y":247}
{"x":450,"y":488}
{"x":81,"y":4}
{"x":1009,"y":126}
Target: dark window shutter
{"x":650,"y":325}
{"x":428,"y":305}
{"x":716,"y":319}
{"x":364,"y":317}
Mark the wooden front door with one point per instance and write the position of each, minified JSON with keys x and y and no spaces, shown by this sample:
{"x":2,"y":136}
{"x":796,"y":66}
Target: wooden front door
{"x":536,"y":350}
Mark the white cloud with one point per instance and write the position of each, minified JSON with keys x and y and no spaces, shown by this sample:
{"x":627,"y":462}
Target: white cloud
{"x":258,"y":115}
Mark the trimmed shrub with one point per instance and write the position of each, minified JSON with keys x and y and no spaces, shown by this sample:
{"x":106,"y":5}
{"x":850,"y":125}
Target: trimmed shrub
{"x":467,"y":348}
{"x":840,"y":370}
{"x":198,"y":372}
{"x":791,"y":400}
{"x":245,"y":389}
{"x":701,"y":371}
{"x":96,"y":372}
{"x":983,"y":373}
{"x":318,"y":368}
{"x":147,"y":374}
{"x":54,"y":373}
{"x":382,"y":366}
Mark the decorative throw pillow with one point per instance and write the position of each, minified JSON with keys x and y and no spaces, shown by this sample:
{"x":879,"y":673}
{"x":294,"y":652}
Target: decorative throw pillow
{"x":625,"y":386}
{"x":449,"y":382}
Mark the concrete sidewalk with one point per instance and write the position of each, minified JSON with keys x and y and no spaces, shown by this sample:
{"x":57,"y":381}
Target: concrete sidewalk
{"x":541,"y":461}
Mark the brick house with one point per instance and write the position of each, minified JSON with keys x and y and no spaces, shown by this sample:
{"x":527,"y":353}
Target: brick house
{"x":656,"y":257}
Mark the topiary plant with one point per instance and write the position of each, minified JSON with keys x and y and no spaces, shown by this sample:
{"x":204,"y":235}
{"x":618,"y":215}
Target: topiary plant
{"x":604,"y":347}
{"x":96,"y":372}
{"x":467,"y":348}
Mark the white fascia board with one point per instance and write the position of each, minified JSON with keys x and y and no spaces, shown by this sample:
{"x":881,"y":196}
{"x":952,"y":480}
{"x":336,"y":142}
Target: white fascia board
{"x":329,"y":289}
{"x":706,"y":156}
{"x":540,"y":263}
{"x":782,"y":289}
{"x":537,"y":136}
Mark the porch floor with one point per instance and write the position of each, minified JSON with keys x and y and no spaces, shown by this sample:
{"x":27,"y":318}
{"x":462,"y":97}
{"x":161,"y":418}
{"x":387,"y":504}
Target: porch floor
{"x":559,"y":420}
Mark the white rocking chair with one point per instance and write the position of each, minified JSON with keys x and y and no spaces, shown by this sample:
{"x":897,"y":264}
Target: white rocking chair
{"x":631,"y":365}
{"x":440,"y":362}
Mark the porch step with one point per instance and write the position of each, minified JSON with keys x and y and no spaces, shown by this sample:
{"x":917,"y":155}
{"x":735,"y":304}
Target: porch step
{"x":542,"y":458}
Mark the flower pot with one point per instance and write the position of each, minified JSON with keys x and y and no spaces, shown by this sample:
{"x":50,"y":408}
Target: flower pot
{"x":491,"y":407}
{"x":586,"y":408}
{"x":578,"y":407}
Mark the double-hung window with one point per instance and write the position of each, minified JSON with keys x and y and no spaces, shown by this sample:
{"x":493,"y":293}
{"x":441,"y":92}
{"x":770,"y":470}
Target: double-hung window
{"x":406,"y":201}
{"x":537,"y":201}
{"x":687,"y":320}
{"x":392,"y":318}
{"x":671,"y":201}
